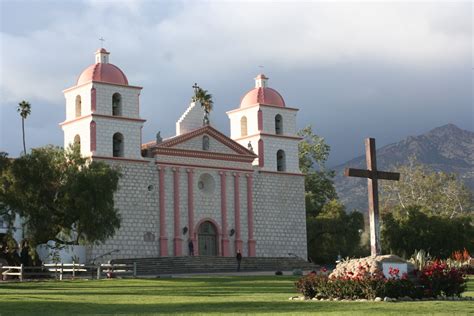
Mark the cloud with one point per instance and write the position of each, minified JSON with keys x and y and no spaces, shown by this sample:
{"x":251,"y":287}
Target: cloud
{"x":204,"y":37}
{"x":324,"y":57}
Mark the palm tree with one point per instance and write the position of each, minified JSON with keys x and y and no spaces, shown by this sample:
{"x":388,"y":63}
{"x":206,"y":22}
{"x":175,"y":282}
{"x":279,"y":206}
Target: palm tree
{"x":24,"y":108}
{"x":204,"y":98}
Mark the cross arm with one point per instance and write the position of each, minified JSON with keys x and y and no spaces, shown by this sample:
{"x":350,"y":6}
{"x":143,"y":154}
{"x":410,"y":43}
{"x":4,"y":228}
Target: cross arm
{"x":384,"y":175}
{"x":359,"y":173}
{"x":363,"y":173}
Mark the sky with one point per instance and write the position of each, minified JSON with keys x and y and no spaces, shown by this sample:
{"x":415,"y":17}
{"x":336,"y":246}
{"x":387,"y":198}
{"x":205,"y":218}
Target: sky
{"x":354,"y":69}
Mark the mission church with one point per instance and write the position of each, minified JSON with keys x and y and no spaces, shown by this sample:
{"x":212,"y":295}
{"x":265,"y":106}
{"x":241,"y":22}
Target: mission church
{"x":244,"y":192}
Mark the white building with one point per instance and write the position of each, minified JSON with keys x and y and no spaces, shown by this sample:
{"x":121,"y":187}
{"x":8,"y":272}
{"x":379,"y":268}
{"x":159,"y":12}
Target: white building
{"x":198,"y":185}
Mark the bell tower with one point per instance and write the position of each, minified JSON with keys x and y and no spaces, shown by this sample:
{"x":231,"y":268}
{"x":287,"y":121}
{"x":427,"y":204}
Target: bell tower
{"x":102,"y":112}
{"x":264,"y":123}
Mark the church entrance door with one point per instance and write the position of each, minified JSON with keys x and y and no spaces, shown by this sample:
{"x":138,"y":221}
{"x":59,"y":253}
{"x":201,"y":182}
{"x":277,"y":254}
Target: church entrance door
{"x":207,"y":239}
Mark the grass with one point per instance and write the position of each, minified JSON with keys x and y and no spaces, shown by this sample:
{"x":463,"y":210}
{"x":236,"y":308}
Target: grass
{"x":196,"y":296}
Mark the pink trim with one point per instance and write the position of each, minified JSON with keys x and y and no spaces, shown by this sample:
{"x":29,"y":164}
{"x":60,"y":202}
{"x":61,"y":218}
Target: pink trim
{"x":260,"y":119}
{"x":120,"y":159}
{"x":101,"y":82}
{"x":238,"y":239}
{"x":201,"y":154}
{"x":119,"y":118}
{"x":191,"y":205}
{"x":219,"y":234}
{"x":225,"y":239}
{"x":270,"y":135}
{"x":201,"y":166}
{"x":178,"y":249}
{"x":262,"y":105}
{"x":102,"y":50}
{"x":251,"y":240}
{"x":93,"y":127}
{"x":102,"y":116}
{"x":211,"y":132}
{"x":75,"y":120}
{"x":261,"y":153}
{"x":282,"y":173}
{"x":93,"y":100}
{"x":163,"y":234}
{"x":138,"y":104}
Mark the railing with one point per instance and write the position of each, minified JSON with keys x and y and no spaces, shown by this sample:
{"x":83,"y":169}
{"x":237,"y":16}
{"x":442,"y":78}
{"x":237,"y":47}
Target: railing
{"x":70,"y":270}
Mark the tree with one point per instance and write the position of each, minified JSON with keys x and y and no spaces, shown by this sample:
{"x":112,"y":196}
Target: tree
{"x":330,"y":230}
{"x":204,"y":98}
{"x":405,"y":230}
{"x":319,"y":186}
{"x":24,"y":108}
{"x":333,"y":232}
{"x":61,"y":196}
{"x":7,"y":216}
{"x":437,"y":193}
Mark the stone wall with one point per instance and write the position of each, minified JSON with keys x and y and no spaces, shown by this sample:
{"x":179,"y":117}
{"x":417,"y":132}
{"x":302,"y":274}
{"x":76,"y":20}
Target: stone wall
{"x":137,"y":200}
{"x":280,"y":216}
{"x":278,"y":204}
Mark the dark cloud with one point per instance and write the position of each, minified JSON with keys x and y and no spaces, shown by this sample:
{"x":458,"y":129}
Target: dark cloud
{"x":354,"y":70}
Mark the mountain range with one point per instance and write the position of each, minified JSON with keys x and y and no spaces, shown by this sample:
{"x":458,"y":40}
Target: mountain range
{"x":446,"y":148}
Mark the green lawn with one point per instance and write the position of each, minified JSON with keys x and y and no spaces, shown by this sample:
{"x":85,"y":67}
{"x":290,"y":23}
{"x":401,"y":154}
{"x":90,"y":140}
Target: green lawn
{"x":195,"y":296}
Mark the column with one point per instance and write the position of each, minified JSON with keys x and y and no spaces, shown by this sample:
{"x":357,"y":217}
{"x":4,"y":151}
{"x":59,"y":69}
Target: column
{"x":251,"y":240}
{"x":238,"y":238}
{"x":163,"y":236}
{"x":191,"y":207}
{"x":177,"y":240}
{"x":225,"y":238}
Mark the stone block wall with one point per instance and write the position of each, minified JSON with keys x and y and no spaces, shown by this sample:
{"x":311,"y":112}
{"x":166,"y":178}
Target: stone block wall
{"x":137,"y":200}
{"x":131,"y":131}
{"x":280,"y":216}
{"x":278,"y":204}
{"x":130,"y":99}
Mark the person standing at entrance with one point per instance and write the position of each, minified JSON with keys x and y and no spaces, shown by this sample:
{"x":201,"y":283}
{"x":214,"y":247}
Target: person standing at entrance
{"x":191,"y":247}
{"x":239,"y":259}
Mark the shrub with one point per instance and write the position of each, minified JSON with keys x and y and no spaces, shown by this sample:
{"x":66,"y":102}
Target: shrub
{"x":297,"y":272}
{"x":278,"y":273}
{"x":437,"y":278}
{"x":362,"y":284}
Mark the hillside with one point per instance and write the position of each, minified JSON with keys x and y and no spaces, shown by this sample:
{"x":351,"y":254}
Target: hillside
{"x":447,"y":148}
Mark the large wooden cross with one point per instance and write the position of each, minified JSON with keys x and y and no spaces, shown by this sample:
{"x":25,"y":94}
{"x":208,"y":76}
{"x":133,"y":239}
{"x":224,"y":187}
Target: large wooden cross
{"x":372,"y":175}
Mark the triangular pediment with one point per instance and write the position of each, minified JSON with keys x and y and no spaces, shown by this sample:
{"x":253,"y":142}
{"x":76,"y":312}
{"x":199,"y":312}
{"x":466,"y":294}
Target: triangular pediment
{"x":219,"y":145}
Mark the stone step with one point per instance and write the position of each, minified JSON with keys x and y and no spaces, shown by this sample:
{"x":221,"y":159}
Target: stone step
{"x":186,"y":264}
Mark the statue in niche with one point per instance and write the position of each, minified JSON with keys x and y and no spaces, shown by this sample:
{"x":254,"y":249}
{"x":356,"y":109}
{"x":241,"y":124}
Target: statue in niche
{"x":205,"y":143}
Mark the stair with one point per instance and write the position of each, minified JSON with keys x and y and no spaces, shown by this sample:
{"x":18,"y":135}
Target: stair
{"x":204,"y":264}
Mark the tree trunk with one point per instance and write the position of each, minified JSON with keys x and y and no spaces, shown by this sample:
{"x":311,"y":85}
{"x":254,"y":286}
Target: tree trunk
{"x":23,"y":129}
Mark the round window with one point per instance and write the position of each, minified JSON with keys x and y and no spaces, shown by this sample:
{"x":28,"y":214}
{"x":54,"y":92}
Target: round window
{"x":206,"y":183}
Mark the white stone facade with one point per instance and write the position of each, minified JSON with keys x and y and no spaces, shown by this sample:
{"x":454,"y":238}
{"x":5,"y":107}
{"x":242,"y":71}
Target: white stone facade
{"x":169,"y":189}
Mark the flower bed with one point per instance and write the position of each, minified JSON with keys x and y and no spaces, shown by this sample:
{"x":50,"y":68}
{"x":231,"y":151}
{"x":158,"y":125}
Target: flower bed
{"x":436,"y":279}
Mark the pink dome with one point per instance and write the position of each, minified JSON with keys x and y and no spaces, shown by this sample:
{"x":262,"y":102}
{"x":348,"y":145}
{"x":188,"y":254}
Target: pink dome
{"x":103,"y":72}
{"x":262,"y":95}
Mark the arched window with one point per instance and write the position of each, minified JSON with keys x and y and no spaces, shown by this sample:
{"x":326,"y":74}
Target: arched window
{"x":118,"y":145}
{"x":77,"y":140}
{"x":205,"y":142}
{"x":281,"y":161}
{"x":278,"y":124}
{"x":117,"y":104}
{"x":78,"y":106}
{"x":243,"y":126}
